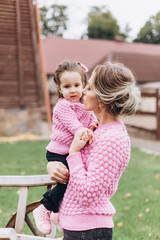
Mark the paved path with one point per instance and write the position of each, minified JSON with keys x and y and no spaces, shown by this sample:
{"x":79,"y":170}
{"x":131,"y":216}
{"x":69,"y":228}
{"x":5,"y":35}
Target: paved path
{"x":146,"y":141}
{"x":149,"y":146}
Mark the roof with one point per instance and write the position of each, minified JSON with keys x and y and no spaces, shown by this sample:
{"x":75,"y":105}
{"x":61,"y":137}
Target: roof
{"x":143,"y":59}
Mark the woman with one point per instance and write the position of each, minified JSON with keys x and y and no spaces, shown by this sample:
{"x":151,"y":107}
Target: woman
{"x":95,"y":169}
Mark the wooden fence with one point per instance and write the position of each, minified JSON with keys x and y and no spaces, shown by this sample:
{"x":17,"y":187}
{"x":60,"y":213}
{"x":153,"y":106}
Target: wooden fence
{"x":151,"y":90}
{"x":20,"y":73}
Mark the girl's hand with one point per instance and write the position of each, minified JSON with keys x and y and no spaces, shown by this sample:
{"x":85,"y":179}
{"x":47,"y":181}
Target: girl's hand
{"x":58,"y":172}
{"x":81,"y":137}
{"x":94,"y":126}
{"x":87,"y":136}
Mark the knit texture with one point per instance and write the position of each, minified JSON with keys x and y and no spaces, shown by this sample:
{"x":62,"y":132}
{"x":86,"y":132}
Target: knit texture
{"x":68,"y":117}
{"x":94,"y":177}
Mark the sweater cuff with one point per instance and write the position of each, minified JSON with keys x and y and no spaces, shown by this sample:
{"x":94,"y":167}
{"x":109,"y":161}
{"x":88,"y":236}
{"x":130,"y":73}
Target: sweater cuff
{"x":74,"y":161}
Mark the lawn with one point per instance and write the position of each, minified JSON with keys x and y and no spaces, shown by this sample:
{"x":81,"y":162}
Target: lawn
{"x":136,"y":201}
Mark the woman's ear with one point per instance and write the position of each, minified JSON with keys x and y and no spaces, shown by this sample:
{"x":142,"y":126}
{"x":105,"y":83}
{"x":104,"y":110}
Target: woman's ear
{"x":101,"y":105}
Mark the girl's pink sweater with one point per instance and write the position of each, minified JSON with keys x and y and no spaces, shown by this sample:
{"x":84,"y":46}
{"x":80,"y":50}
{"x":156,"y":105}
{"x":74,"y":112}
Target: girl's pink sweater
{"x":94,"y":177}
{"x":68,"y":117}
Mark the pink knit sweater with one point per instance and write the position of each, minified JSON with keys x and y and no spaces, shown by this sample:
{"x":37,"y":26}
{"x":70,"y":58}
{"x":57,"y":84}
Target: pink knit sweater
{"x":68,"y":117}
{"x":94,"y":177}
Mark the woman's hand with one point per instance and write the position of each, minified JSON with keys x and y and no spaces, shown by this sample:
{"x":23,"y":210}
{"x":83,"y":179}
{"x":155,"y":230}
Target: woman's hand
{"x":81,"y":137}
{"x":58,"y":172}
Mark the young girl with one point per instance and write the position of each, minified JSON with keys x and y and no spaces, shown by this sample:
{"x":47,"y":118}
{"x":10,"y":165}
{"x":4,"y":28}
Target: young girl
{"x":68,"y":117}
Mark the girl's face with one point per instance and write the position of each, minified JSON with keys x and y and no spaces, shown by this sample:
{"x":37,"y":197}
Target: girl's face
{"x":71,"y":86}
{"x":90,"y":98}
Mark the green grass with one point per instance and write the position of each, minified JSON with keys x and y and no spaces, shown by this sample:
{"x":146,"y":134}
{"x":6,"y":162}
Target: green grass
{"x":140,"y":213}
{"x":136,"y":201}
{"x":21,"y":158}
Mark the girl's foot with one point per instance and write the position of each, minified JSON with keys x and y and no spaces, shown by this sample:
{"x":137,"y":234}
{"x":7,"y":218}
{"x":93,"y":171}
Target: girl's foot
{"x":55,"y":221}
{"x":42,"y":219}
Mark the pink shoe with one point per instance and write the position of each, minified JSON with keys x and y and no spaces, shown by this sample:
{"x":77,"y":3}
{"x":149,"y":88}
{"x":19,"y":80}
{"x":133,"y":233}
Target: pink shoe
{"x":42,"y":219}
{"x":55,"y":221}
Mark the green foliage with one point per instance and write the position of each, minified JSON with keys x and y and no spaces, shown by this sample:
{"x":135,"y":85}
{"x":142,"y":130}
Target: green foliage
{"x":53,"y":20}
{"x":150,"y":33}
{"x":136,"y":200}
{"x":102,"y":25}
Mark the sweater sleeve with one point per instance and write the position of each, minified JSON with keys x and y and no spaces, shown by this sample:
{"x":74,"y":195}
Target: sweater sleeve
{"x":68,"y":116}
{"x":106,"y":164}
{"x":93,"y":119}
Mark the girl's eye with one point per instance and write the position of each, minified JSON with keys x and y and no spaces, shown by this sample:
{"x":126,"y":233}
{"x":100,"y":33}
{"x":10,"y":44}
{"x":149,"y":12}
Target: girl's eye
{"x":66,"y":86}
{"x":88,"y":88}
{"x":77,"y":85}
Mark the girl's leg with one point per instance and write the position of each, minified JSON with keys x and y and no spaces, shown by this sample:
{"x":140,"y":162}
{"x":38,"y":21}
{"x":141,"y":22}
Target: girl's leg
{"x":51,"y":200}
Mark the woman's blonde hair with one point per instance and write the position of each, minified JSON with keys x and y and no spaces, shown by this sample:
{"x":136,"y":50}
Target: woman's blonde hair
{"x":115,"y":87}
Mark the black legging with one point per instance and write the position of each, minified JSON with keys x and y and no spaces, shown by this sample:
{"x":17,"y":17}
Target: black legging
{"x":52,"y":198}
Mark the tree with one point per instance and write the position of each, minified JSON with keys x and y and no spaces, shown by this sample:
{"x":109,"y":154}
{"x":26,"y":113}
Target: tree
{"x":102,"y":25}
{"x":150,"y":33}
{"x":127,"y":30}
{"x":53,"y":20}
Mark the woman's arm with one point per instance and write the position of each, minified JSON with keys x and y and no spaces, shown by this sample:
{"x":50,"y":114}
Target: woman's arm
{"x":105,"y":167}
{"x":81,"y":137}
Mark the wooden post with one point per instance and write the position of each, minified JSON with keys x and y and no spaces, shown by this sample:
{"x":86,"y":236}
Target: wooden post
{"x":36,"y":52}
{"x":21,"y":210}
{"x":46,"y":93}
{"x":158,"y":113}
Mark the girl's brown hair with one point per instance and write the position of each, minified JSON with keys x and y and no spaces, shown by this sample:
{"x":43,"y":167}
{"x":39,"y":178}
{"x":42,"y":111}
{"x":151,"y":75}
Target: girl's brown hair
{"x":115,"y":87}
{"x":71,"y":67}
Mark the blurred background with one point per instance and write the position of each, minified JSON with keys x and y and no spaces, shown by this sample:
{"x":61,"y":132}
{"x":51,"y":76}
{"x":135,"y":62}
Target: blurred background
{"x":37,"y":35}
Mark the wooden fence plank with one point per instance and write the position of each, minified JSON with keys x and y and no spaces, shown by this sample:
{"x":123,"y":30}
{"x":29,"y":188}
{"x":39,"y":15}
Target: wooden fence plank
{"x":23,"y":195}
{"x":158,"y":114}
{"x":27,"y":180}
{"x":8,"y":234}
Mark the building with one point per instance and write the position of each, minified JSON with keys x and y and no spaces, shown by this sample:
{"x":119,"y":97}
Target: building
{"x":21,"y":87}
{"x":142,"y":59}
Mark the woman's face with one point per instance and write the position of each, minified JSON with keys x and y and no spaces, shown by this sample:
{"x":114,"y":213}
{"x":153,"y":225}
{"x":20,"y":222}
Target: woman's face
{"x":90,"y":100}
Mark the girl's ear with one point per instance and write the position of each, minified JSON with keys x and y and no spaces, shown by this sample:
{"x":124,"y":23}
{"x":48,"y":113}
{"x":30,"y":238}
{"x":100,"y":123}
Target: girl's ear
{"x":59,"y":89}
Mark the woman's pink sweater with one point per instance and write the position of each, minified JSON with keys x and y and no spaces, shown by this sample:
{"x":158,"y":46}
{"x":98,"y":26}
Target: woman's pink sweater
{"x":94,"y":177}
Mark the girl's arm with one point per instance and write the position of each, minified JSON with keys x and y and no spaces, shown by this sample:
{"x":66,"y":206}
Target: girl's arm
{"x":68,"y":116}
